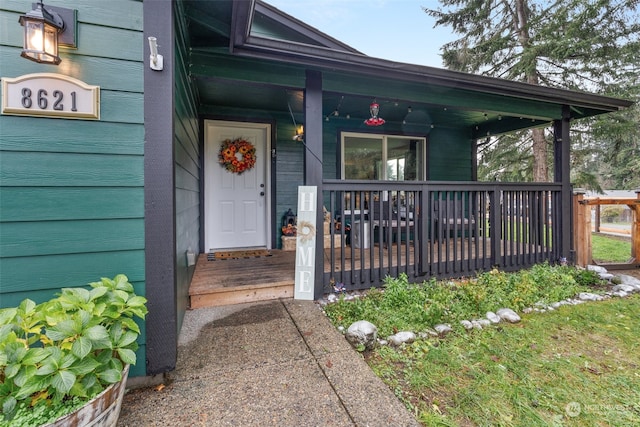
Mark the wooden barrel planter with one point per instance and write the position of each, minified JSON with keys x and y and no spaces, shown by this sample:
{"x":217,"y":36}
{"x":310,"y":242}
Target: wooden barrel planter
{"x":101,"y":411}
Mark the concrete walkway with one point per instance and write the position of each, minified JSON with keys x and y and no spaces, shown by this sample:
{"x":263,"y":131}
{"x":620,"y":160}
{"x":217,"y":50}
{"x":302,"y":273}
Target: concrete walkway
{"x":277,"y":363}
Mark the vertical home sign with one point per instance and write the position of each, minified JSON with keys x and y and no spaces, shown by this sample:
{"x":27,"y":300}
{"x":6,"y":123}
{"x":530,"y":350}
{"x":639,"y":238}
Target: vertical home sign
{"x":306,"y":242}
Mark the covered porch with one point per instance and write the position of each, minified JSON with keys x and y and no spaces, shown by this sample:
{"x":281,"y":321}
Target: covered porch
{"x":399,"y":183}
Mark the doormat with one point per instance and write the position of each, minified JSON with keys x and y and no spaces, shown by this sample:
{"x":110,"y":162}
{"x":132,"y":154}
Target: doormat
{"x":251,"y":253}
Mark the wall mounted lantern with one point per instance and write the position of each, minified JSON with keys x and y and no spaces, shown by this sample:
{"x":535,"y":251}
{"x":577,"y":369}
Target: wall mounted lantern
{"x":299,"y":136}
{"x":44,"y":30}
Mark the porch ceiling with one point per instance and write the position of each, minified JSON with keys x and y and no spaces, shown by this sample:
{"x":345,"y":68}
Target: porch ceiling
{"x":336,"y":106}
{"x":353,"y":109}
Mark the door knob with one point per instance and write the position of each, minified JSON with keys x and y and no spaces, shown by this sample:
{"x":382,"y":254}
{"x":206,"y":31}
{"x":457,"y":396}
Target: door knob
{"x":262,"y":193}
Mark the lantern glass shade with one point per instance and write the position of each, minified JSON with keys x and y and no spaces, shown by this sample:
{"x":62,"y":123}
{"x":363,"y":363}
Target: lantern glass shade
{"x":40,"y":36}
{"x":41,"y":43}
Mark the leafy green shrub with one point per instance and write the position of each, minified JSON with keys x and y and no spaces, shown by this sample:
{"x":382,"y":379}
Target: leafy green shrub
{"x":405,"y":306}
{"x":611,"y":213}
{"x":72,"y":346}
{"x":587,"y":278}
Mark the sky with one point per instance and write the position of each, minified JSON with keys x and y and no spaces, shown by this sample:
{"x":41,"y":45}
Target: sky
{"x":397,"y":30}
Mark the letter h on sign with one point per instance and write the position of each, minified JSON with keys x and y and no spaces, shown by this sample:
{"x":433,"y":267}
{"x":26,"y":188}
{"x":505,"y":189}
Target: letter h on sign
{"x":307,"y":201}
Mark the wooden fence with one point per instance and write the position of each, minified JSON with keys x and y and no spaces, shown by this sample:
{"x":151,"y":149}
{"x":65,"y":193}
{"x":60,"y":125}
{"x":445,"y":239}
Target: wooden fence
{"x":582,"y":228}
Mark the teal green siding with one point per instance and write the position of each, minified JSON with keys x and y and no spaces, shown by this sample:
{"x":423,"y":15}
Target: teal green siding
{"x":187,"y":167}
{"x":450,"y":155}
{"x":289,"y":170}
{"x":71,"y":191}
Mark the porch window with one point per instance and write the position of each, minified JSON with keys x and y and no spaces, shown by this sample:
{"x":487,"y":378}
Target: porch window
{"x":382,"y":157}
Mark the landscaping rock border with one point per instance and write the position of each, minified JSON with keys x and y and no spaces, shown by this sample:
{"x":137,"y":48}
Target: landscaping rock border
{"x":622,"y":285}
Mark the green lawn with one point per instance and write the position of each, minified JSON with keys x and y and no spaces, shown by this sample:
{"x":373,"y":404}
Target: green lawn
{"x":540,"y":372}
{"x":605,"y":249}
{"x":575,"y":366}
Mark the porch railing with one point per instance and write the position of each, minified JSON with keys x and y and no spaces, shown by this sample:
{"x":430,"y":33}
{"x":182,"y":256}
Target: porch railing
{"x":436,"y":229}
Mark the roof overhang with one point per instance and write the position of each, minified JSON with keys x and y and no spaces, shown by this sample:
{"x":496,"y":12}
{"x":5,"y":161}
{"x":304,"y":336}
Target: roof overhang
{"x":243,"y":43}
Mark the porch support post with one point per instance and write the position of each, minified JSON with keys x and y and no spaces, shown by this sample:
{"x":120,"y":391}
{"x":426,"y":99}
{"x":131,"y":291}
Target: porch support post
{"x":474,"y":159}
{"x":313,"y":163}
{"x":562,"y":169}
{"x":495,"y":227}
{"x":159,"y":193}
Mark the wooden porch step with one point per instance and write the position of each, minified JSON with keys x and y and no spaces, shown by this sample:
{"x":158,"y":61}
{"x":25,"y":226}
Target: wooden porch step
{"x":242,"y":294}
{"x":237,"y":281}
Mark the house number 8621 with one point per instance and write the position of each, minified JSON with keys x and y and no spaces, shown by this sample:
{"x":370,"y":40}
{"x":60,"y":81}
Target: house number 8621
{"x":41,"y":98}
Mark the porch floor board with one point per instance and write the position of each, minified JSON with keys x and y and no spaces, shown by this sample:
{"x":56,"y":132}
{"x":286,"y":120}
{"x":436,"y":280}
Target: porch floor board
{"x":455,"y":249}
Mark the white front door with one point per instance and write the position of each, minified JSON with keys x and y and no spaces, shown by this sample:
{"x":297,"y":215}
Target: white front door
{"x":236,"y":204}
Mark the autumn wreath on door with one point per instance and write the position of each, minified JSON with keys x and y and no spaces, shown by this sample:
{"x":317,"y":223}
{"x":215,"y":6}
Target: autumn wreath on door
{"x":237,"y":155}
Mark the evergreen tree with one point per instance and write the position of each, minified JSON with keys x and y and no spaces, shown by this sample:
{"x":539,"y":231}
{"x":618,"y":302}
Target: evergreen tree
{"x":619,"y":132}
{"x":588,"y":45}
